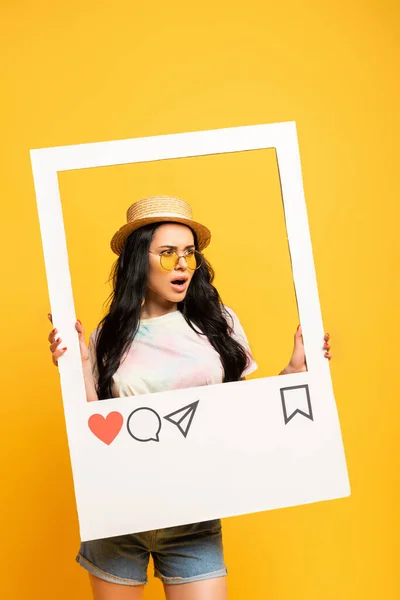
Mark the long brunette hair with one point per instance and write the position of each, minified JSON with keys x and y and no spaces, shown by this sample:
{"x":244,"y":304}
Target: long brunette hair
{"x":202,"y":309}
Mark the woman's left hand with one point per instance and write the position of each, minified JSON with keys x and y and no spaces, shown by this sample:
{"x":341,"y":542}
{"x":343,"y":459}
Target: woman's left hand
{"x":297,"y":362}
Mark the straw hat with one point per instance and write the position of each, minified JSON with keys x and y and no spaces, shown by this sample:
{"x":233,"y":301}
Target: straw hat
{"x":158,"y":209}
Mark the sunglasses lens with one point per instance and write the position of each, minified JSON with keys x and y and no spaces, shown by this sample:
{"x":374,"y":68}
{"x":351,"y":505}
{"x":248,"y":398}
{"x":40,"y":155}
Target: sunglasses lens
{"x":168,"y":261}
{"x":193,"y":260}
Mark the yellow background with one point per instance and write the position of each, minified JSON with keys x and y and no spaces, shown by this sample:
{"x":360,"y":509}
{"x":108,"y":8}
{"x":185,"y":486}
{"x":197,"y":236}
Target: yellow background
{"x":92,"y":71}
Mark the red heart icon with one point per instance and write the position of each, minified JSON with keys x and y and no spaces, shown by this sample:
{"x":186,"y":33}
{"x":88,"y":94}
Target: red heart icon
{"x":106,"y":429}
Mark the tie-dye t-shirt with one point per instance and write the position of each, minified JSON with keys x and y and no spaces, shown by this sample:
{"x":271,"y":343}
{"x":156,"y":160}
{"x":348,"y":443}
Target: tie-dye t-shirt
{"x":166,"y":354}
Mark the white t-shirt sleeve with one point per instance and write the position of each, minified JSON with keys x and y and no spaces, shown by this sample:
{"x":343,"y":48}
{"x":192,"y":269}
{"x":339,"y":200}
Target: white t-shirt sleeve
{"x":240,"y":336}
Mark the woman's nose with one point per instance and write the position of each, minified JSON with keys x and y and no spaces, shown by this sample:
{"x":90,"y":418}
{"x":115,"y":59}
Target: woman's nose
{"x":181,"y":264}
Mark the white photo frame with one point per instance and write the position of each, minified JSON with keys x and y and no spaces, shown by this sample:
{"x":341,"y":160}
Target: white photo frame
{"x":208,"y":452}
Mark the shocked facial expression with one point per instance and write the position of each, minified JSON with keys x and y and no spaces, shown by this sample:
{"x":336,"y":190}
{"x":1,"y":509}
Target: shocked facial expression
{"x":170,"y":285}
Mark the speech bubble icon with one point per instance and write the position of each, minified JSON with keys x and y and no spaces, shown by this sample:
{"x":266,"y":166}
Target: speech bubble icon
{"x":144,"y":425}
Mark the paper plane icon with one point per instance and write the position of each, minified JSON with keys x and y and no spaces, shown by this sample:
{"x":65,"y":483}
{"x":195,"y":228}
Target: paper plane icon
{"x":183,"y":417}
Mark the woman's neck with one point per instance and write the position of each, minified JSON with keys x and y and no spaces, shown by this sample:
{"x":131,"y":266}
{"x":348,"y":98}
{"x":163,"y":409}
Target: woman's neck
{"x":156,"y":306}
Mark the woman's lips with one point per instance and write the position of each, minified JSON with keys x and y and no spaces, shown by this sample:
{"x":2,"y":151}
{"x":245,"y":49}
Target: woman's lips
{"x":179,"y":287}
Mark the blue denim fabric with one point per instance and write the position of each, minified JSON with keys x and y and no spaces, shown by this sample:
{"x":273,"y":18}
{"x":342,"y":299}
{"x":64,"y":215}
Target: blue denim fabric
{"x":181,"y":555}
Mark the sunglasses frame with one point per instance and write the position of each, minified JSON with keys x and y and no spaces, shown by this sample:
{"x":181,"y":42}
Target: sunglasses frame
{"x":178,"y":257}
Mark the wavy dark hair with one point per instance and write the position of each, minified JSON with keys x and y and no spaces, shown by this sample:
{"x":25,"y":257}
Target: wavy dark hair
{"x":202,"y":308}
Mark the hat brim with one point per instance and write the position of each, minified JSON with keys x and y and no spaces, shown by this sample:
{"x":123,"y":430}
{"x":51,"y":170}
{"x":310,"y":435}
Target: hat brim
{"x":119,"y":238}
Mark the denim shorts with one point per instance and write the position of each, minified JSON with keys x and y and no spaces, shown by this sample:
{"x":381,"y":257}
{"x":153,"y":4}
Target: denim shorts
{"x":181,"y":555}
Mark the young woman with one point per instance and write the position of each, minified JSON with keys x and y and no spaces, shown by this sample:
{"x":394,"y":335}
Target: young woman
{"x":166,"y":328}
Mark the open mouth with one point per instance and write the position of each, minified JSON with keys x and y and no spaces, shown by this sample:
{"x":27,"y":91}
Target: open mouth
{"x":179,"y":283}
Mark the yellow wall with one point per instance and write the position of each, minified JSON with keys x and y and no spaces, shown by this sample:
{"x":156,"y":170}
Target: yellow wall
{"x":93,"y":71}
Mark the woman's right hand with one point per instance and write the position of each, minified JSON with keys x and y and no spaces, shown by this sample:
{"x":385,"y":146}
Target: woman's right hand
{"x":55,"y":342}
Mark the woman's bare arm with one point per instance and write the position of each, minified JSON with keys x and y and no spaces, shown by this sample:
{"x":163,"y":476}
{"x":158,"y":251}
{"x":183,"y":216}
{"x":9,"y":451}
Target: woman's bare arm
{"x":56,"y":352}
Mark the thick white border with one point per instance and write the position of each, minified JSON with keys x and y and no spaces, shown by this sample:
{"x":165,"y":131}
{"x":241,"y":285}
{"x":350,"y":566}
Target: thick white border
{"x":46,"y":163}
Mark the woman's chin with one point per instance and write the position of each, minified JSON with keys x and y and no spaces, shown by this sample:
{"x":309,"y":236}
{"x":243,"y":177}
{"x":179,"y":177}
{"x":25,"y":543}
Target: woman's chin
{"x":177,"y":296}
{"x":172,"y":297}
{"x":174,"y":294}
{"x":166,"y":294}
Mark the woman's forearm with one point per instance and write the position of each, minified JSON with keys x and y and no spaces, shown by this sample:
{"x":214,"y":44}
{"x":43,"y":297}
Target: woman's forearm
{"x":90,"y":387}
